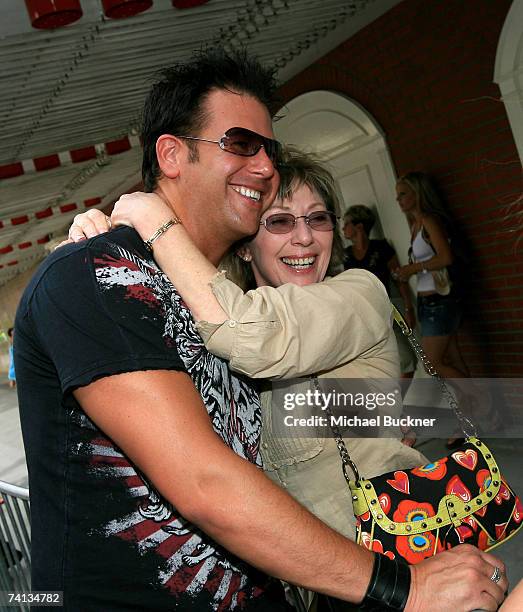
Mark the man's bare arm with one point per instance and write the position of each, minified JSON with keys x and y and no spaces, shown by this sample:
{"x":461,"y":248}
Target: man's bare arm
{"x":158,"y":419}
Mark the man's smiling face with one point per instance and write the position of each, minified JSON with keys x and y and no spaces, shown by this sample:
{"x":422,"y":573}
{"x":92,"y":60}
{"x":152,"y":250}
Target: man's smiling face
{"x":230,"y":191}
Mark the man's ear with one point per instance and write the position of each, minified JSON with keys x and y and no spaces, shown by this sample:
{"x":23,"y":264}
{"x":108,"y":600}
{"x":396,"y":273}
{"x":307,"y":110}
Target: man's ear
{"x":244,"y":252}
{"x":168,"y":153}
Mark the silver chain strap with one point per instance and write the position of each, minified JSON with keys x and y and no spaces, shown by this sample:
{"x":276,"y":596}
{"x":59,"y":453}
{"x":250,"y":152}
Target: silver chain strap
{"x":346,"y":461}
{"x":467,"y":426}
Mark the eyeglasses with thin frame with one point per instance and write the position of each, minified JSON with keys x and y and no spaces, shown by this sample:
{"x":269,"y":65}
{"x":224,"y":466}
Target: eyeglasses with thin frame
{"x":244,"y":142}
{"x":283,"y":223}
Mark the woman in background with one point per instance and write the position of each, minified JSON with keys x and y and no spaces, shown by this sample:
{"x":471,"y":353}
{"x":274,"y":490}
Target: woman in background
{"x":439,"y":307}
{"x":438,"y":304}
{"x":379,"y":257}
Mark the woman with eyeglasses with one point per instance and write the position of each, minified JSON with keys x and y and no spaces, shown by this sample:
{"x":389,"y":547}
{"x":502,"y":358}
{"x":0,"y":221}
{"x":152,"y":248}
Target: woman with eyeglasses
{"x":292,"y":325}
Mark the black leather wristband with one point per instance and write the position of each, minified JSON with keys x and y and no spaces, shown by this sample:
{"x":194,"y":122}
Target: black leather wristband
{"x":399,"y":597}
{"x":389,"y":585}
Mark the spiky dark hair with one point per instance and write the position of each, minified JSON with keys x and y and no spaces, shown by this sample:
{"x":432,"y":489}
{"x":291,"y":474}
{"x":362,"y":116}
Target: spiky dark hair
{"x":176,"y":101}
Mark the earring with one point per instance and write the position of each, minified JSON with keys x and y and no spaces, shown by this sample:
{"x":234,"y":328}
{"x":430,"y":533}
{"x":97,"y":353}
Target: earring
{"x":247,"y":257}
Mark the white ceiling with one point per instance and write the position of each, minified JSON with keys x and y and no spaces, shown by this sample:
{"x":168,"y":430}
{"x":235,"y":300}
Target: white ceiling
{"x":82,"y":86}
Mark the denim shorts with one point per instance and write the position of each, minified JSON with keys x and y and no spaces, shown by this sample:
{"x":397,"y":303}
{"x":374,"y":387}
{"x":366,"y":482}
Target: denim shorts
{"x":439,"y":315}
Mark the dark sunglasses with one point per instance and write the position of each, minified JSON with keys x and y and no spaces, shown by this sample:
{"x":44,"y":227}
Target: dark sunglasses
{"x":283,"y":223}
{"x":240,"y":141}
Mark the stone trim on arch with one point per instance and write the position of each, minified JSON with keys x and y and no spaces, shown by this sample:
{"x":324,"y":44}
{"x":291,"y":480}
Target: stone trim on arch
{"x":508,"y":70}
{"x":327,"y":122}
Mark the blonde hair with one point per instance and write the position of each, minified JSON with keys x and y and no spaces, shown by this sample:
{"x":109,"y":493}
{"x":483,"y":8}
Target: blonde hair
{"x":429,"y":200}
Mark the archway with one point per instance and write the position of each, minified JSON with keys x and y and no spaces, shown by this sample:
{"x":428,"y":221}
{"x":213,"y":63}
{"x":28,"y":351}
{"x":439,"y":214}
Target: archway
{"x":350,"y":140}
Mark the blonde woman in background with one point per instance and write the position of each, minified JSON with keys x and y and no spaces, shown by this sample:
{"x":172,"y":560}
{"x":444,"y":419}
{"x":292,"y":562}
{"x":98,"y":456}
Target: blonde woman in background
{"x":432,"y":255}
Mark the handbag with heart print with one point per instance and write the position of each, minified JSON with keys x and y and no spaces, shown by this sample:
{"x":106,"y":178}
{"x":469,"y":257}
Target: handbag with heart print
{"x":416,"y":513}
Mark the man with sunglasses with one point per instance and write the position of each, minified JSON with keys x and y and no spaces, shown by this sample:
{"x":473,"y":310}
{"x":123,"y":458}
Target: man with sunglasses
{"x":143,"y":448}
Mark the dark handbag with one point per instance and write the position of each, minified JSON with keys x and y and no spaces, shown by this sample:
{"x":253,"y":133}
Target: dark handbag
{"x":414,"y":514}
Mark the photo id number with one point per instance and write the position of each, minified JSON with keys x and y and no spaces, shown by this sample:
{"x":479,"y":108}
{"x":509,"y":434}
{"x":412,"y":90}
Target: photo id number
{"x":33,"y":598}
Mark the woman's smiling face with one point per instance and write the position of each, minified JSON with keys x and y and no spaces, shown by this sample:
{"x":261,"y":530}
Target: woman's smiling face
{"x":301,"y":256}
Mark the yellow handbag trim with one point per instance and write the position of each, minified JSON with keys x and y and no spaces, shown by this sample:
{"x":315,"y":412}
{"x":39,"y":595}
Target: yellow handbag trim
{"x":451,"y":509}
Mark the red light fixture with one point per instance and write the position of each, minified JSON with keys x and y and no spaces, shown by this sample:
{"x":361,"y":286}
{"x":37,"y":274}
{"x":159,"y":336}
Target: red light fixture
{"x":183,"y":4}
{"x":50,"y":14}
{"x":120,"y":9}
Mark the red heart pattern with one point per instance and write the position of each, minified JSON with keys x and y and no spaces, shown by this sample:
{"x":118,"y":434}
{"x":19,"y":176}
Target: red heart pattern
{"x":456,"y":487}
{"x":481,"y":511}
{"x":390,"y":554}
{"x":375,"y":545}
{"x":400,"y":482}
{"x":468,"y":459}
{"x":503,"y":493}
{"x":464,"y":532}
{"x":471,"y":521}
{"x":518,"y":512}
{"x":366,"y":541}
{"x":384,"y":500}
{"x":500,"y":530}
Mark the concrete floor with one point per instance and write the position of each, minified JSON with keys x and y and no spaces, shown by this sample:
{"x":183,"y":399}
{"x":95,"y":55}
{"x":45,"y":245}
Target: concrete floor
{"x":12,"y":459}
{"x":507,"y":451}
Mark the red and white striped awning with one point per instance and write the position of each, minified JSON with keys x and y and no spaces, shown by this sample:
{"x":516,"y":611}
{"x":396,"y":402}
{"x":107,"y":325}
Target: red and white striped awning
{"x":71,"y":97}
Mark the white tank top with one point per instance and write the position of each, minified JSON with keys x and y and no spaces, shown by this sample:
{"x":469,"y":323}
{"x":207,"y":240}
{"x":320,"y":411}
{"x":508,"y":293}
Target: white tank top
{"x":423,"y":251}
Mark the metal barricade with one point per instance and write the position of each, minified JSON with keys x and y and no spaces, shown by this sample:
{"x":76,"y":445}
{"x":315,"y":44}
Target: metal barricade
{"x":15,"y":543}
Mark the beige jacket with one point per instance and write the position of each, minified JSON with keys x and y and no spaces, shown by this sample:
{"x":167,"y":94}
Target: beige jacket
{"x":340,"y":328}
{"x":292,"y":331}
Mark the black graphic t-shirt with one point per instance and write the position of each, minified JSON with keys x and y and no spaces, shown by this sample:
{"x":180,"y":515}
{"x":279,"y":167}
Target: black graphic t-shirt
{"x":100,"y":531}
{"x":376,"y":260}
